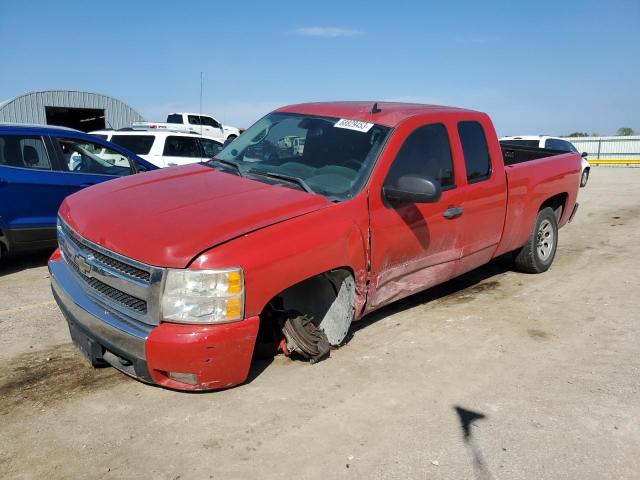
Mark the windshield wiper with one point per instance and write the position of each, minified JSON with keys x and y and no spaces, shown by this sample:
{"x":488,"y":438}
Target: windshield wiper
{"x":281,"y":176}
{"x":229,"y":163}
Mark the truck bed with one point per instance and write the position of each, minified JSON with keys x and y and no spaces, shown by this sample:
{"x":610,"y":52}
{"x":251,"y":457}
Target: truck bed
{"x":534,"y":175}
{"x":513,"y":154}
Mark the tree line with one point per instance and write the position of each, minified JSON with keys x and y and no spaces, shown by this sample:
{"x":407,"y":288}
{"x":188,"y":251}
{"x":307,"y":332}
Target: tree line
{"x":622,"y":132}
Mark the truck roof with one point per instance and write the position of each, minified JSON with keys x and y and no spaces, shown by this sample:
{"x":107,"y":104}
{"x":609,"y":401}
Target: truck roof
{"x":190,"y":113}
{"x":391,"y":113}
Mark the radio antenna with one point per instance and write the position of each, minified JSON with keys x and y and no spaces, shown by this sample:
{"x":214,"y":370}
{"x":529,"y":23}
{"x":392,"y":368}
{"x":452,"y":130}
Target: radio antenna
{"x":200,"y":112}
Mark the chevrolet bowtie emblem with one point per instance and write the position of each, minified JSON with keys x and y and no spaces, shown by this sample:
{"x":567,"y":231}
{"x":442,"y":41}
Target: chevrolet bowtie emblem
{"x":82,"y":265}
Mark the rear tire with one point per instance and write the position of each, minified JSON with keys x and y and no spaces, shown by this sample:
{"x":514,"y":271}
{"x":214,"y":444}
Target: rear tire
{"x":536,"y":256}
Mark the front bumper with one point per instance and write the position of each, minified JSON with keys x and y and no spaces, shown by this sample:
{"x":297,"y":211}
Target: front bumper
{"x":215,"y":356}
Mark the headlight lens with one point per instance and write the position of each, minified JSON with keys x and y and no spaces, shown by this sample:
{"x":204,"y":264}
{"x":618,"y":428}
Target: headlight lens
{"x":204,"y":296}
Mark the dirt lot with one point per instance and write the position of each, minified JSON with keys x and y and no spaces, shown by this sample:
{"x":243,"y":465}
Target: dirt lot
{"x":494,"y":375}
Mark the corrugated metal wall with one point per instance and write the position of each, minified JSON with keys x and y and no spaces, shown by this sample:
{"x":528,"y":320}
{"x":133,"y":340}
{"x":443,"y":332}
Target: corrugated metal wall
{"x":608,"y":148}
{"x":29,"y":108}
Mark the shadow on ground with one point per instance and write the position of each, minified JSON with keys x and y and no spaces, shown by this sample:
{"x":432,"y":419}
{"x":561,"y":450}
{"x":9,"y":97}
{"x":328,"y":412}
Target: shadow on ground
{"x":23,"y":261}
{"x":467,"y":418}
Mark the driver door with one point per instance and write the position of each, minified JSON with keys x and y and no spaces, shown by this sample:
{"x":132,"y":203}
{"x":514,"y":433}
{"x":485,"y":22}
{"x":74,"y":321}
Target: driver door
{"x":415,"y":246}
{"x":212,"y":128}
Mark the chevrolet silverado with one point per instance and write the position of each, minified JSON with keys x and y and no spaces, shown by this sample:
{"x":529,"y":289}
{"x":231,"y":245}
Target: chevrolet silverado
{"x":177,"y":276}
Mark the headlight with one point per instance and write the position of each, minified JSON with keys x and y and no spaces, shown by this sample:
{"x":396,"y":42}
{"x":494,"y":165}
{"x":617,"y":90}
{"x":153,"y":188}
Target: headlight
{"x":204,"y":296}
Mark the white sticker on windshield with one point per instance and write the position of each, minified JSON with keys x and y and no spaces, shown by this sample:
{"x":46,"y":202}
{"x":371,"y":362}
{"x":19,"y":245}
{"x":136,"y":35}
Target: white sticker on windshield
{"x":353,"y":125}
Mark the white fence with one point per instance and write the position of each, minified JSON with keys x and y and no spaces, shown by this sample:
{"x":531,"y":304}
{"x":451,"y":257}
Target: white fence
{"x":611,"y":150}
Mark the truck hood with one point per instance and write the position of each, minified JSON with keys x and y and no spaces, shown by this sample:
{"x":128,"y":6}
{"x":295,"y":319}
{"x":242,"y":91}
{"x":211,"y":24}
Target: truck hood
{"x":167,"y":217}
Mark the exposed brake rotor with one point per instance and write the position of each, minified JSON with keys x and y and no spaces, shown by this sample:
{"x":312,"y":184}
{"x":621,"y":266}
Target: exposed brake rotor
{"x":302,"y":336}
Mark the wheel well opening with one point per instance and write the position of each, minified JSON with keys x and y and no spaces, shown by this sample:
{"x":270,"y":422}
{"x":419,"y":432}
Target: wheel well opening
{"x":556,"y":203}
{"x":328,"y":298}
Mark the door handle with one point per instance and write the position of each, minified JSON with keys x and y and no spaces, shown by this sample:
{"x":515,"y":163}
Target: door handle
{"x":453,"y":212}
{"x":3,"y":182}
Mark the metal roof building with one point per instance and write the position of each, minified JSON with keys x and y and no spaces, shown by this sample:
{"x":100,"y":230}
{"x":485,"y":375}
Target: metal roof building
{"x":84,"y":111}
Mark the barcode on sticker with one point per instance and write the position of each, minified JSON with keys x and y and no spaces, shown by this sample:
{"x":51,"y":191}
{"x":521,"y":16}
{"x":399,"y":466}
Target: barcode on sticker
{"x":353,"y":125}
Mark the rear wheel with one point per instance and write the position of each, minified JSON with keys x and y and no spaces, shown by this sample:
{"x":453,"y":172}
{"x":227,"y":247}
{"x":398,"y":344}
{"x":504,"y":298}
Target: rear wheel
{"x":537,"y":255}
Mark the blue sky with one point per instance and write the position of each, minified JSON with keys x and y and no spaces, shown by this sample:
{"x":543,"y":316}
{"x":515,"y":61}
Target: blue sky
{"x":536,"y":67}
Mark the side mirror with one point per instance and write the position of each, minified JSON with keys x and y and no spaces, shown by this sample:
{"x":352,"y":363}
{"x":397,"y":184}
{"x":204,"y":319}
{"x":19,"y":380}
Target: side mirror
{"x":141,"y":168}
{"x":413,"y":189}
{"x":584,"y":154}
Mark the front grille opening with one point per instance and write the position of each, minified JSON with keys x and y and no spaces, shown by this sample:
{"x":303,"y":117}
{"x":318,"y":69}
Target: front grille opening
{"x":124,"y":299}
{"x":108,"y":261}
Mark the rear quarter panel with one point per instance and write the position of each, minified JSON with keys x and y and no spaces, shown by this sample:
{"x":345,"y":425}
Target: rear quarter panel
{"x":530,"y":184}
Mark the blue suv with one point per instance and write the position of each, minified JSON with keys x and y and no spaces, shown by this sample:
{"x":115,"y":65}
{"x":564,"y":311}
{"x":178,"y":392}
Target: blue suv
{"x":39,"y":167}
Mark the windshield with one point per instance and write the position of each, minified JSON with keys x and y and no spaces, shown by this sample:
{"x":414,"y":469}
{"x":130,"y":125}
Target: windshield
{"x":328,"y":156}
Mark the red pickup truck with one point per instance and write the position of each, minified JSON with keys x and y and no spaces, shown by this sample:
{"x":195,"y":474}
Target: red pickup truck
{"x":175,"y":276}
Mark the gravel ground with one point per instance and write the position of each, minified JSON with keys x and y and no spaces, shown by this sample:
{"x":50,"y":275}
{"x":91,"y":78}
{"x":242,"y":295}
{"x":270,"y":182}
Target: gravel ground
{"x":493,"y":375}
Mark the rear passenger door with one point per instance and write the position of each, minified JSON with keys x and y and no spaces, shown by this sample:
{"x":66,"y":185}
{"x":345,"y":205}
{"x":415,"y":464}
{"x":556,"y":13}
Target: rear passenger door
{"x":30,"y":190}
{"x":212,"y":128}
{"x":181,"y":150}
{"x":485,"y":197}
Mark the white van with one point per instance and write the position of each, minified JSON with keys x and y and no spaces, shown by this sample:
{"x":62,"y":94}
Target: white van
{"x":163,"y":148}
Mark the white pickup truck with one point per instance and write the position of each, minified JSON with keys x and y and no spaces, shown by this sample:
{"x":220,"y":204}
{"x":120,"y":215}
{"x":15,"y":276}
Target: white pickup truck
{"x":193,"y":123}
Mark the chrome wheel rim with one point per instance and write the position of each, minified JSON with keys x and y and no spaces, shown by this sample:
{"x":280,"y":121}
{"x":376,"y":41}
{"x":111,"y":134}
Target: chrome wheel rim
{"x":546,"y":239}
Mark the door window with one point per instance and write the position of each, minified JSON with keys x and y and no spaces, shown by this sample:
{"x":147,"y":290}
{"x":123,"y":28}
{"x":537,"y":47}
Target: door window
{"x":425,"y":153}
{"x":81,"y":156}
{"x":194,"y":119}
{"x":138,"y":144}
{"x":209,"y":122}
{"x":176,"y":146}
{"x":476,"y":151}
{"x":210,"y":147}
{"x":24,"y":151}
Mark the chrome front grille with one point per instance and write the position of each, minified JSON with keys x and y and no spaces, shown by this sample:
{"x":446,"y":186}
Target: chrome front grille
{"x":121,"y":297}
{"x":105,"y":259}
{"x":116,"y":282}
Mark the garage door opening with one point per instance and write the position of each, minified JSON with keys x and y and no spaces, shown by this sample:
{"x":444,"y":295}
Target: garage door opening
{"x":84,"y":119}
